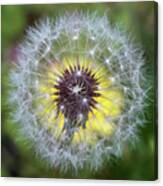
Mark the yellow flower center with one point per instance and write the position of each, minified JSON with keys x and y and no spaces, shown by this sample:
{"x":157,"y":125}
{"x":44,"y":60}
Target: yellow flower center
{"x":83,"y":98}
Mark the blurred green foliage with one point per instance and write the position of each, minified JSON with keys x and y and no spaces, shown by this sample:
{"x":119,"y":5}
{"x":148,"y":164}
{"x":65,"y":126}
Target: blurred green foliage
{"x":140,"y":19}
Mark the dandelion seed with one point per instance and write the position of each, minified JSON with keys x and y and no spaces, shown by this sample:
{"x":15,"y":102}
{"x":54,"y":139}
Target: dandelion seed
{"x":78,"y":73}
{"x":125,"y":89}
{"x":109,"y":49}
{"x":85,"y":100}
{"x":36,"y":83}
{"x":75,"y":37}
{"x":112,"y":79}
{"x":62,"y":107}
{"x":36,"y":62}
{"x":93,"y":38}
{"x":107,"y":61}
{"x":58,"y":79}
{"x":92,"y":52}
{"x":80,"y":116}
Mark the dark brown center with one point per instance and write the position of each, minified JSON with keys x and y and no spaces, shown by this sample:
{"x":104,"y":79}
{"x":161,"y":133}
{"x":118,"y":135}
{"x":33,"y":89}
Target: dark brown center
{"x":76,"y":92}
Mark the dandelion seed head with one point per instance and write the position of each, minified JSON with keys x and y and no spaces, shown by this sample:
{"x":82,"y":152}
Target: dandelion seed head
{"x":78,"y":102}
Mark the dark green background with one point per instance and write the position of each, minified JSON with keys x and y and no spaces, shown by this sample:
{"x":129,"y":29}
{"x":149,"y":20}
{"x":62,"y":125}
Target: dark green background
{"x":139,"y":19}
